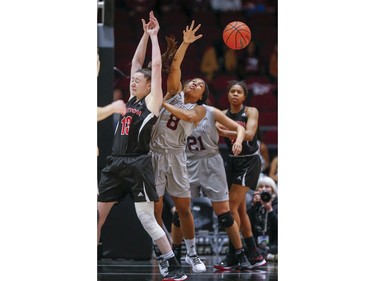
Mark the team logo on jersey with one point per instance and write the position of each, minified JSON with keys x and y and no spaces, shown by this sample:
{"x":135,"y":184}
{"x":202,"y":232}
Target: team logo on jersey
{"x":243,"y":124}
{"x":134,"y":111}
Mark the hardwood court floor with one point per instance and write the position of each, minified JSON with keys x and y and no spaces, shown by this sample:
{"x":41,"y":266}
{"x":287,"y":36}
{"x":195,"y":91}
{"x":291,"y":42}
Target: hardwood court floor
{"x":121,"y":270}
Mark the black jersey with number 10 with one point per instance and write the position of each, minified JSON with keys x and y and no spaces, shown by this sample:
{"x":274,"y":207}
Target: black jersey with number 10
{"x":133,"y":131}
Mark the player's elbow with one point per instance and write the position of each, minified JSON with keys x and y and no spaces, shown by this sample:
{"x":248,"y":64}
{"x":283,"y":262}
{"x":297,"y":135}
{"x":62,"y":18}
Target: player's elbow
{"x":156,"y":64}
{"x":249,"y":136}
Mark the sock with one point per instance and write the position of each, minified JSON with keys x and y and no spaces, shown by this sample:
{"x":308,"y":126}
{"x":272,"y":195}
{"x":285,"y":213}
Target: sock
{"x":190,"y":247}
{"x":239,"y":252}
{"x":231,"y":249}
{"x":156,"y":250}
{"x":251,"y":247}
{"x":170,"y":257}
{"x":177,"y":251}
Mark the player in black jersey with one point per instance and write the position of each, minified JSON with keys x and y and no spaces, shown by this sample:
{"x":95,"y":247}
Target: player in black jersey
{"x":242,"y":170}
{"x":129,"y":168}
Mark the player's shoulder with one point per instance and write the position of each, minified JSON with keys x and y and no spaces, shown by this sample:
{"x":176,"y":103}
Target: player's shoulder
{"x":251,"y":110}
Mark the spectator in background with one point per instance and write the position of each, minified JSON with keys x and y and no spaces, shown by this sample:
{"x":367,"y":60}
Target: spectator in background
{"x":264,"y":155}
{"x":263,"y":217}
{"x":250,"y":61}
{"x":210,"y":64}
{"x":273,"y":170}
{"x":225,"y":5}
{"x":230,"y":60}
{"x":253,"y":6}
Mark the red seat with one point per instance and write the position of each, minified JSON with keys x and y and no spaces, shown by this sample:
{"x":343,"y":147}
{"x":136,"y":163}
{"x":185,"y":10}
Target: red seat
{"x":270,"y":137}
{"x":268,"y":118}
{"x":229,"y":16}
{"x":222,"y":102}
{"x":264,"y":102}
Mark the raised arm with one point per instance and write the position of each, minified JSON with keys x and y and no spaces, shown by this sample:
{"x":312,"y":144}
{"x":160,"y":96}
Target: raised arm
{"x":234,"y":126}
{"x":155,"y":98}
{"x":140,"y":53}
{"x":174,"y":77}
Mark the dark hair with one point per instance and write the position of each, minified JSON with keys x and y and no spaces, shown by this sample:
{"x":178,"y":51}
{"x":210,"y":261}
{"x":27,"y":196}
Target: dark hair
{"x":146,"y":72}
{"x":205,"y":94}
{"x":239,"y":83}
{"x":167,"y":57}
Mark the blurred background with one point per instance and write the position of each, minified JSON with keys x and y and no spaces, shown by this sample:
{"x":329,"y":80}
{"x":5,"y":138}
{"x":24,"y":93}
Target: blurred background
{"x":119,"y":31}
{"x":120,"y":28}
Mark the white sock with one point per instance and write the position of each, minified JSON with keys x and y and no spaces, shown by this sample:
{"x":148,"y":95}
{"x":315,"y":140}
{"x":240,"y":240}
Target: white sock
{"x":168,"y":255}
{"x":190,"y":247}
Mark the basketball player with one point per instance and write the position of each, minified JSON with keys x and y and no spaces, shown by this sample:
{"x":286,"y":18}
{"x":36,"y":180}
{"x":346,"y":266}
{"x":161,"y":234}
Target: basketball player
{"x":242,"y":170}
{"x":168,"y":143}
{"x":129,"y":168}
{"x":207,"y":175}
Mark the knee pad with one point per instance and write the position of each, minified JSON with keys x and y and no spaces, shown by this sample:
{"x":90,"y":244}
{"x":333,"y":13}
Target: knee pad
{"x":145,"y":213}
{"x":225,"y":220}
{"x":176,"y":219}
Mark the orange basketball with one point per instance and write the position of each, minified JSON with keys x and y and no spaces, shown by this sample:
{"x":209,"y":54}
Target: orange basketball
{"x":236,"y":35}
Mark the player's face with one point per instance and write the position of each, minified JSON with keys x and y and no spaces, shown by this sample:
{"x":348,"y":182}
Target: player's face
{"x":139,"y":85}
{"x":195,"y":89}
{"x":236,"y":95}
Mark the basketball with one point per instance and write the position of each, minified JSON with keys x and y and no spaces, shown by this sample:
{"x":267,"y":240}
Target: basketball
{"x":236,"y":35}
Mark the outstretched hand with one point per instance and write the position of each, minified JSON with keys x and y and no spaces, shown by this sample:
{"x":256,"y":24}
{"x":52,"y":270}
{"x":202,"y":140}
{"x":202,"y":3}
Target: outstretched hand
{"x":189,"y":33}
{"x":151,"y":27}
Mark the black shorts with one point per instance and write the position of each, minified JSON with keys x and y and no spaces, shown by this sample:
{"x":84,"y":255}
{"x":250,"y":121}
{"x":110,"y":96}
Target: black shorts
{"x":244,"y":171}
{"x":124,"y":175}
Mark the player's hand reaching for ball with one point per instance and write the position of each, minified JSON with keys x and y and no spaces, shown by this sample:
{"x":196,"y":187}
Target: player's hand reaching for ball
{"x":189,"y":33}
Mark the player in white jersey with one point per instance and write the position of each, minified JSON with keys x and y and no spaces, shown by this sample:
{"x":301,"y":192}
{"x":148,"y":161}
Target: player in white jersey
{"x":207,"y":175}
{"x":168,"y":143}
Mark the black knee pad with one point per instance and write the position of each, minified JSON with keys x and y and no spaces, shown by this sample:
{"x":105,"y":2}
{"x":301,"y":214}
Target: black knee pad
{"x":176,"y":219}
{"x":225,"y":220}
